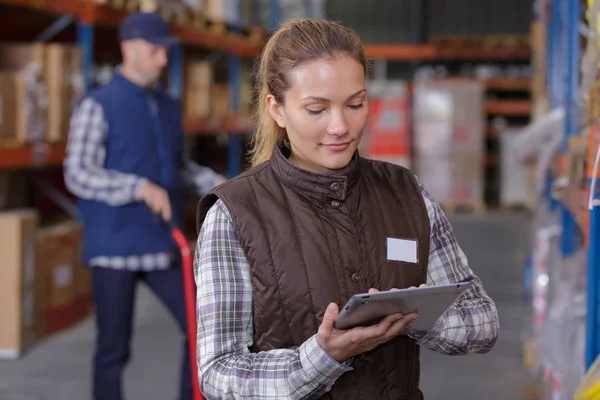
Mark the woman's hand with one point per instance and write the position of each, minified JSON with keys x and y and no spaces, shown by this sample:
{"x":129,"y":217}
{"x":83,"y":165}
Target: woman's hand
{"x":343,"y":344}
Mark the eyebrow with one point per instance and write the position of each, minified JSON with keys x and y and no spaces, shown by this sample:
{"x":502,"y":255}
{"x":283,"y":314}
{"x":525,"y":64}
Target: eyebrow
{"x":324,"y":100}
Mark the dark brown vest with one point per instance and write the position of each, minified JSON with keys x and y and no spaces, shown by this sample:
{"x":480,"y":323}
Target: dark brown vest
{"x":311,"y":239}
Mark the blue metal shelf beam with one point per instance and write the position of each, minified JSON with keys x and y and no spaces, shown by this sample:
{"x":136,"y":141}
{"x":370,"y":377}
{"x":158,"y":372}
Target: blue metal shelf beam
{"x":235,"y":141}
{"x":176,"y":70}
{"x":85,"y":33}
{"x":592,"y":348}
{"x":571,"y":37}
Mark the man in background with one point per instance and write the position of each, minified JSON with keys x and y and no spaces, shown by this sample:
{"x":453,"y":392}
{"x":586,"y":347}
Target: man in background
{"x":126,"y":162}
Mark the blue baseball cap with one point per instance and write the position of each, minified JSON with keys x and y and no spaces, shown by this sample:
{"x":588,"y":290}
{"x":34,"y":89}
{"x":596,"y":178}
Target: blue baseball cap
{"x":147,"y":26}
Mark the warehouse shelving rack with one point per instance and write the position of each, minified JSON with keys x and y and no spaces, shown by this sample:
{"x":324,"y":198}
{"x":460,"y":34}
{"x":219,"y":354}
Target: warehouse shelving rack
{"x":87,"y":15}
{"x":563,"y":66}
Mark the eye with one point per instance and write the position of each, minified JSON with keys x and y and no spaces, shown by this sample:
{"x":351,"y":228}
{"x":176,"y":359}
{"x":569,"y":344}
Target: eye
{"x":356,"y":106}
{"x":314,"y":112}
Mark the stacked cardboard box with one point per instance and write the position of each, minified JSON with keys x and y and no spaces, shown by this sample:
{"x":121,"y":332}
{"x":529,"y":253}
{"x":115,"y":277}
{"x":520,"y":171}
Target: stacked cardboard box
{"x":58,"y":248}
{"x":19,"y":282}
{"x":43,"y":287}
{"x":220,"y":100}
{"x":198,"y":81}
{"x":449,"y":129}
{"x":39,"y":84}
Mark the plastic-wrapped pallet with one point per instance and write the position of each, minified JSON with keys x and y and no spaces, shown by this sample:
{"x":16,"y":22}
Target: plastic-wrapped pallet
{"x":449,"y":128}
{"x":387,"y":135}
{"x":514,"y":175}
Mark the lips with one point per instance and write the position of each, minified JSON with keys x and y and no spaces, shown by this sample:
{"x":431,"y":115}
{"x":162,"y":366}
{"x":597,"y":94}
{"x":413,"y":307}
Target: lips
{"x":337,"y":146}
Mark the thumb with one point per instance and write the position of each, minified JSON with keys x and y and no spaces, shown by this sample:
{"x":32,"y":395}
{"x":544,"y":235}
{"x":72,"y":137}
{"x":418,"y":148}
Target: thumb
{"x":331,"y":314}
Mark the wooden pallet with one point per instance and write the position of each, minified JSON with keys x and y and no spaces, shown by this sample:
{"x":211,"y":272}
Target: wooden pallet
{"x":254,"y":34}
{"x":451,"y":209}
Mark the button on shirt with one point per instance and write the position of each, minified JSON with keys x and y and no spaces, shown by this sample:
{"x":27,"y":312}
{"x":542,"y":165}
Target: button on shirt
{"x":224,"y":301}
{"x":86,"y":177}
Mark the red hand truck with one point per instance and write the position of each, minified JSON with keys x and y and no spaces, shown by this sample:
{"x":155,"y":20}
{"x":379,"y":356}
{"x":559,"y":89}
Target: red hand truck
{"x":189,"y":286}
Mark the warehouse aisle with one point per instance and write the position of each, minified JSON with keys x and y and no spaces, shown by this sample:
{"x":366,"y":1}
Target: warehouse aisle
{"x":59,"y":367}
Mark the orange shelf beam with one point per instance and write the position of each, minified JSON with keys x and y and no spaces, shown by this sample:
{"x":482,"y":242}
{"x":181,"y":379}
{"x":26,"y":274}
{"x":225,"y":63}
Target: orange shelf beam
{"x":400,"y":51}
{"x":407,"y":52}
{"x":209,"y":126}
{"x":509,"y":107}
{"x":93,"y":13}
{"x":508,"y":84}
{"x":32,"y":155}
{"x":72,"y":7}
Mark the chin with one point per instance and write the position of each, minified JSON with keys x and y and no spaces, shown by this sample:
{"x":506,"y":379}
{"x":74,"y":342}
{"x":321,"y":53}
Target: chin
{"x":338,"y":162}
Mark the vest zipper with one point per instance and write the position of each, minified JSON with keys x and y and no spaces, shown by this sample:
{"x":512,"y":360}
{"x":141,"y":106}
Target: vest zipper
{"x":160,"y":141}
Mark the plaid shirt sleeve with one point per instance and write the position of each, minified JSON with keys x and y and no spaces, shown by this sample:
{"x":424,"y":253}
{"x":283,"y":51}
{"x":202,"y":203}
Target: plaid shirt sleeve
{"x":227,"y":369}
{"x":84,"y":172}
{"x":471,"y":325}
{"x":201,"y":179}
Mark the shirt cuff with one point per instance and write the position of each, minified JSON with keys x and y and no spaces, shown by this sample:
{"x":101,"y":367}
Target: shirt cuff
{"x":319,"y":365}
{"x":426,"y":335}
{"x":137,"y":188}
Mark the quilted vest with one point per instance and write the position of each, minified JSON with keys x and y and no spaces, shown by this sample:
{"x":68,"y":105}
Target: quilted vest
{"x":145,"y":139}
{"x":314,"y":238}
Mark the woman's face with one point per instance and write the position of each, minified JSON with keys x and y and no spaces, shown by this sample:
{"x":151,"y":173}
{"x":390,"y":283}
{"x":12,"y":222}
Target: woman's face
{"x":324,"y":113}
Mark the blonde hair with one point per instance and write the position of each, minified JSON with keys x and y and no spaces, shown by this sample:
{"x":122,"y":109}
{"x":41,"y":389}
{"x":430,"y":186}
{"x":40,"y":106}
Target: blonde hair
{"x":297,"y":42}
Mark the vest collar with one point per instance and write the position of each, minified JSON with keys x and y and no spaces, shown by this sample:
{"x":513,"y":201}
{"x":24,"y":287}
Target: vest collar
{"x":333,"y":186}
{"x":130,"y":85}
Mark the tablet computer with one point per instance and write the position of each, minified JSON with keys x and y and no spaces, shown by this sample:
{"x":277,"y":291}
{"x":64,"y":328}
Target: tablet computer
{"x":429,"y":302}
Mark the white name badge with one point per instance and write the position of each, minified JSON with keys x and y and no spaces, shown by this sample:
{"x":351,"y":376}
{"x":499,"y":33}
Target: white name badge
{"x":403,"y":250}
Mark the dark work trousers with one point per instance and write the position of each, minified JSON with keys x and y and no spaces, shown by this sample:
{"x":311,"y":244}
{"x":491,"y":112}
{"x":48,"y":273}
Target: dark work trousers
{"x":114,"y":294}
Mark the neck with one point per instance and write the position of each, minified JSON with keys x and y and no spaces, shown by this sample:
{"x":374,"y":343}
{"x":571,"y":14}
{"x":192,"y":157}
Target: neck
{"x":132,"y":76}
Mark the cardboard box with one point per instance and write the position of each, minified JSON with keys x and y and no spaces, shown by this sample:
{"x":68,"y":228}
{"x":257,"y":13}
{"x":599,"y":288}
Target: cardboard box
{"x":58,"y":257}
{"x":57,"y":67}
{"x":76,"y":79}
{"x":223,"y":11}
{"x":8,"y":106}
{"x":24,"y":107}
{"x":54,"y":82}
{"x":19,"y":298}
{"x":220,"y":100}
{"x":23,"y":56}
{"x":197,"y":95}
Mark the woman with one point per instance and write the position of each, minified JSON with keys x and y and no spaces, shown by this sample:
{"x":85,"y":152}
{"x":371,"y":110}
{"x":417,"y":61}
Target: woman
{"x":284,"y":244}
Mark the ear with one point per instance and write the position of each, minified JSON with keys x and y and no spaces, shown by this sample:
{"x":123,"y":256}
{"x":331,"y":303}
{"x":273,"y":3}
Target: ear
{"x":276,"y":110}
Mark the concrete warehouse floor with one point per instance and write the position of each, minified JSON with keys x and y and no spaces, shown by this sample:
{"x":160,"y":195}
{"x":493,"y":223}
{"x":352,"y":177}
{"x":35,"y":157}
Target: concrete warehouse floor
{"x":59,"y":367}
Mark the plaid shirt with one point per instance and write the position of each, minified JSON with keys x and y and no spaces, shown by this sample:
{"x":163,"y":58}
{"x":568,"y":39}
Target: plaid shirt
{"x":86,"y":177}
{"x":224,"y":300}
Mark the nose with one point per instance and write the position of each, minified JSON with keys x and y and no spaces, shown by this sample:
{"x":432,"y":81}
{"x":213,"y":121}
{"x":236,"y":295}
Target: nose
{"x":338,"y":125}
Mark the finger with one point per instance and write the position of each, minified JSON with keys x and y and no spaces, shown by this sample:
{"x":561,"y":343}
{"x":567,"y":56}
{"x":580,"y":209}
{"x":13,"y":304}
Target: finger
{"x":329,"y":317}
{"x":397,"y":327}
{"x":412,"y":287}
{"x":423,"y":285}
{"x":373,"y":290}
{"x":167,"y":212}
{"x":154,"y":206}
{"x":382,"y":327}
